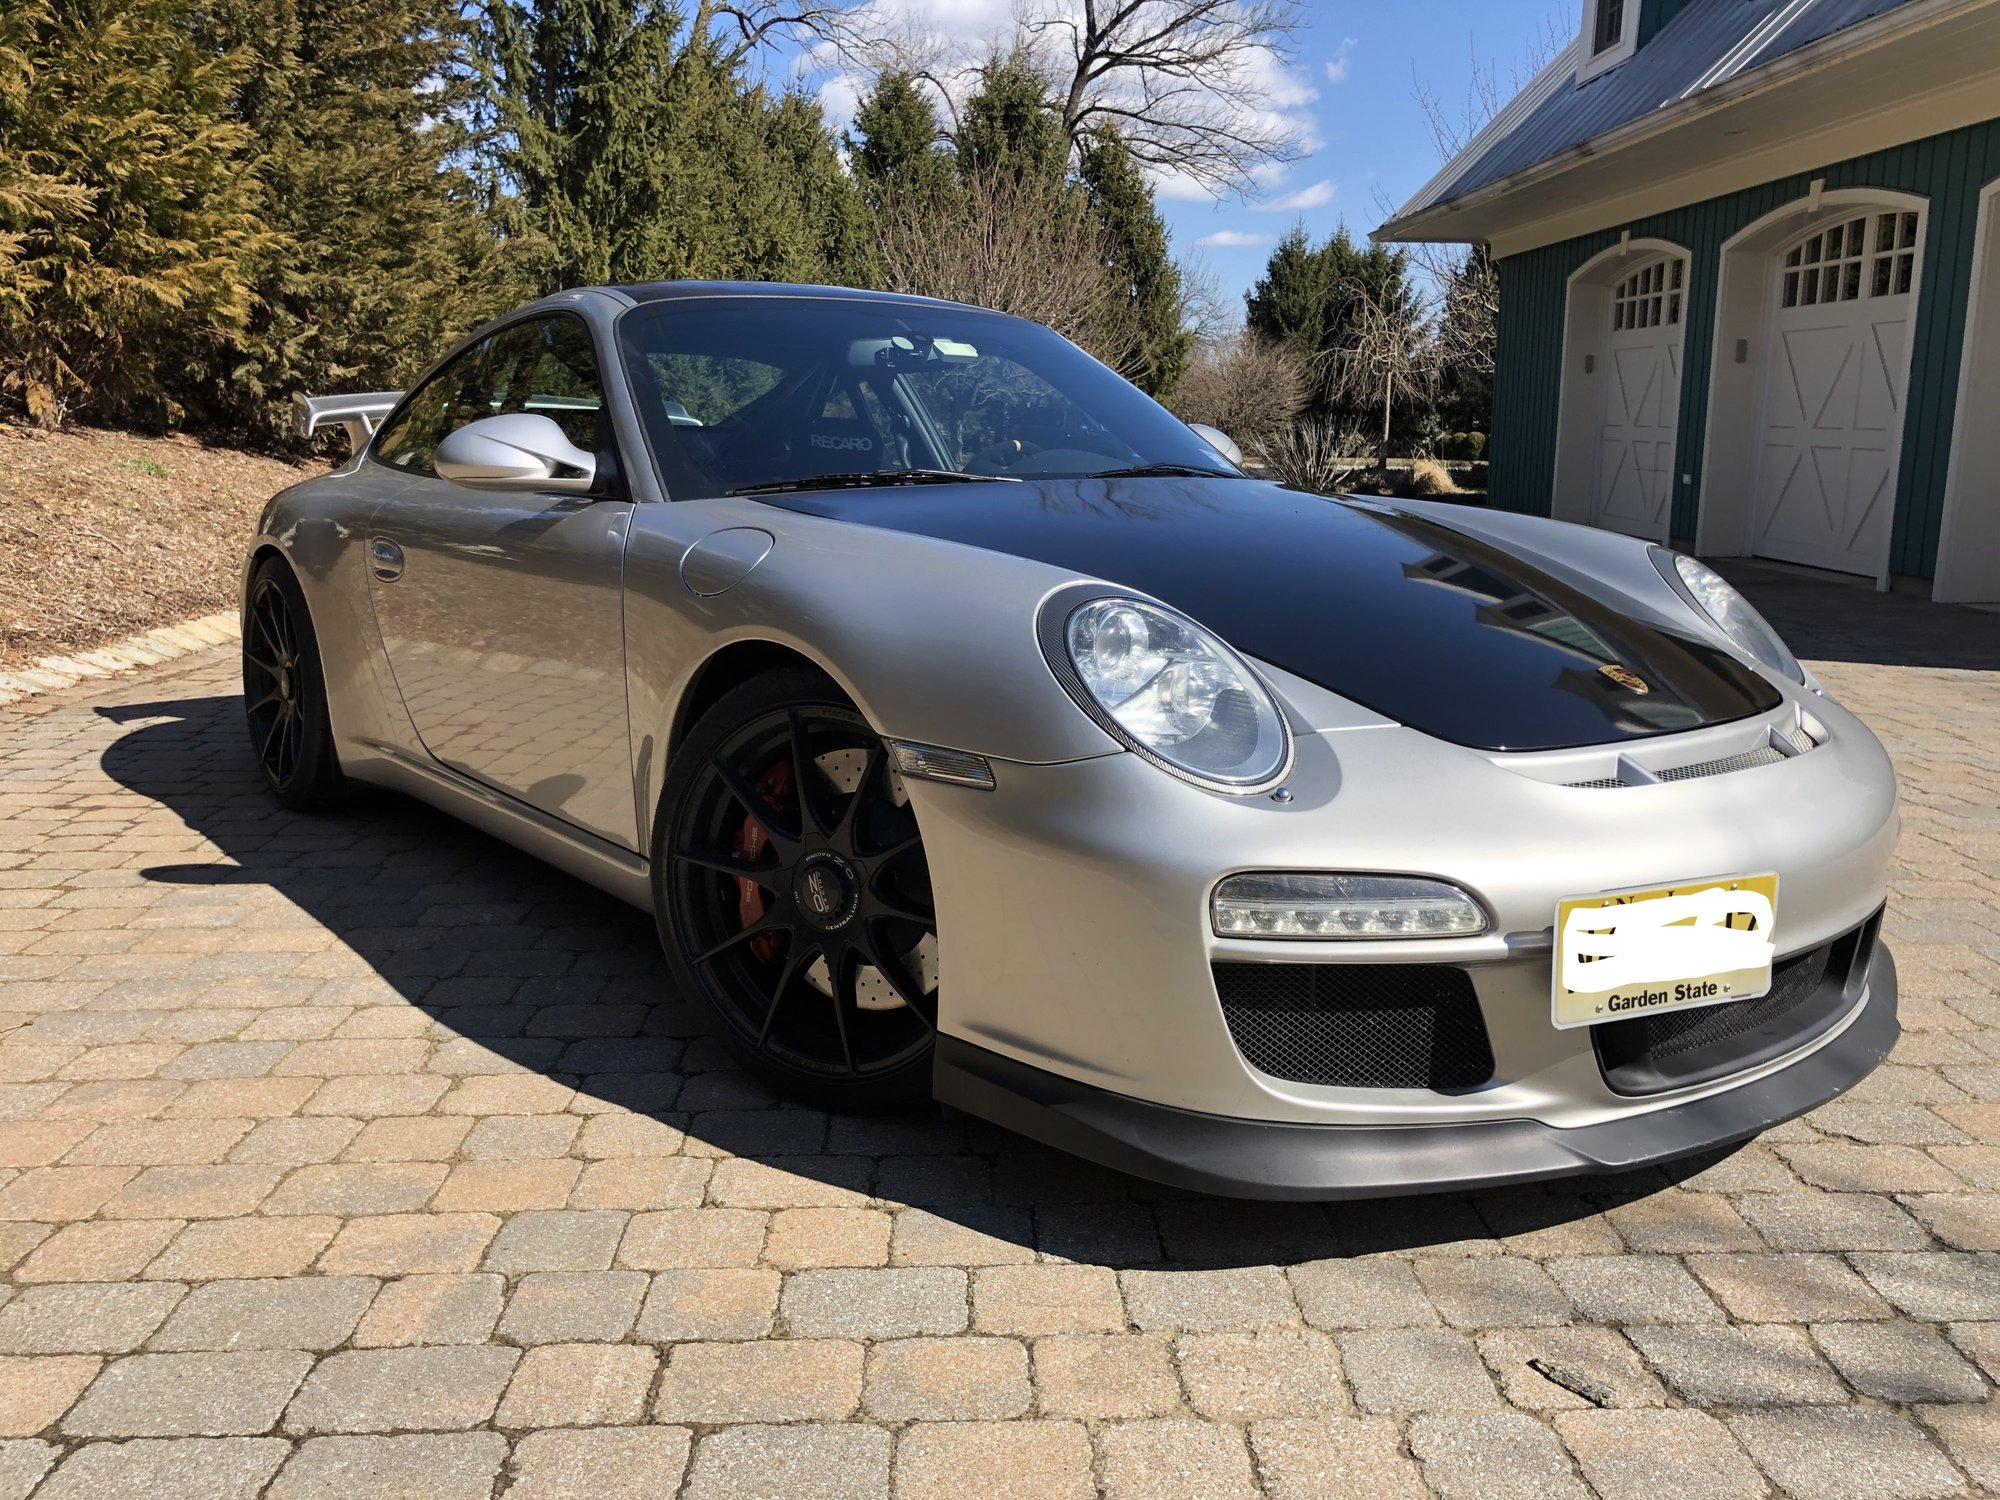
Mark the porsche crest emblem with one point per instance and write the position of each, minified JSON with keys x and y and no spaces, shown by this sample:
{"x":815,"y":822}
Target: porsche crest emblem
{"x":1631,"y":681}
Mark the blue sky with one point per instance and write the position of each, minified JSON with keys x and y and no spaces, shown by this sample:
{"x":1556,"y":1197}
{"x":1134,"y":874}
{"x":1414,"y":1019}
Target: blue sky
{"x":1350,"y":85}
{"x":1365,"y":62}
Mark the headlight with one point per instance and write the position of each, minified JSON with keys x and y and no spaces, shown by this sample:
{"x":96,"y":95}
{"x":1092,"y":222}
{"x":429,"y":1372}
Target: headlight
{"x":1169,"y":689}
{"x":1321,"y":907}
{"x":1732,"y":613}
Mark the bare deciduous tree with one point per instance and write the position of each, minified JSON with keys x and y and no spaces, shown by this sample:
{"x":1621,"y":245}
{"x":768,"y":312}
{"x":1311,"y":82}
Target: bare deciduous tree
{"x":741,"y":28}
{"x":1468,"y":292}
{"x":1387,"y":356}
{"x":1468,"y":322}
{"x":1184,"y":81}
{"x":1207,"y":312}
{"x":1017,"y":242}
{"x":1486,"y":90}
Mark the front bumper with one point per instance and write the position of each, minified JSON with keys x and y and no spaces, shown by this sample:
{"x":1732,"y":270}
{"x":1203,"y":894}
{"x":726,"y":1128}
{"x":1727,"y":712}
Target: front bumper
{"x":1245,"y":1158}
{"x":1073,"y":902}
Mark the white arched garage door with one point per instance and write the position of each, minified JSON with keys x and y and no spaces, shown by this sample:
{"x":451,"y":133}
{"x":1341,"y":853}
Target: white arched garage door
{"x":1640,"y":386}
{"x":1835,"y":374}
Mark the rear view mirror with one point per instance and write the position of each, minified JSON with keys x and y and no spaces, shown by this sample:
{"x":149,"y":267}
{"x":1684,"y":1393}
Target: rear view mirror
{"x":517,"y":451}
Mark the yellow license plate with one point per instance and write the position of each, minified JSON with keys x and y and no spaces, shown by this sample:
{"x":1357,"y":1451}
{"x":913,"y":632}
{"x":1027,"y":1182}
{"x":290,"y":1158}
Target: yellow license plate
{"x":1676,"y":947}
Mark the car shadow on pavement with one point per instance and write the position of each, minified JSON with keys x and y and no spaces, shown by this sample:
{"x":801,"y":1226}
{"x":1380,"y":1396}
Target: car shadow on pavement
{"x":525,"y":969}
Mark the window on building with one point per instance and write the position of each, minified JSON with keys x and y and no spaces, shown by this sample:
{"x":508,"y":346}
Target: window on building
{"x":1610,"y":29}
{"x":1610,"y":35}
{"x":1650,"y":297}
{"x":1871,"y":256}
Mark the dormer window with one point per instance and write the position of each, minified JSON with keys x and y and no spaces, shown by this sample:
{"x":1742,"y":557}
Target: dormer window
{"x":1610,"y":28}
{"x":1610,"y":33}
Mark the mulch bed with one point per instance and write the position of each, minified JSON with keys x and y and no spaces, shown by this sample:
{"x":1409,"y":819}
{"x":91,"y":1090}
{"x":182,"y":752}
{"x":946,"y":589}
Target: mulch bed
{"x":106,"y":534}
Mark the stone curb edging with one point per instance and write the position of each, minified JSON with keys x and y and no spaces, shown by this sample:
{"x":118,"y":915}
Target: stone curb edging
{"x":53,"y":673}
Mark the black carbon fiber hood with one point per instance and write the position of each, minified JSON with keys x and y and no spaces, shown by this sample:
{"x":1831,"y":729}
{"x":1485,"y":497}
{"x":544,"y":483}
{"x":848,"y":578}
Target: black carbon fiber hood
{"x":1437,"y":630}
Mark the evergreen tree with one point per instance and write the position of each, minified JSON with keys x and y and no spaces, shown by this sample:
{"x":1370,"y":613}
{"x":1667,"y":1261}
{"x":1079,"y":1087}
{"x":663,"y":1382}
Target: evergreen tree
{"x":1289,"y":302}
{"x":626,"y":146}
{"x":30,"y":193}
{"x":1312,"y":297}
{"x":1010,"y":123}
{"x":894,"y":144}
{"x":127,"y":218}
{"x":797,"y":215}
{"x":573,"y":94}
{"x":1146,"y":281}
{"x":1467,"y":330}
{"x":378,"y":256}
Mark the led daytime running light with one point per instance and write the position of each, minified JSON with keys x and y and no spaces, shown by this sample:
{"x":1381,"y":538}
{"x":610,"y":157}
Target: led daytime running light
{"x":1322,"y":908}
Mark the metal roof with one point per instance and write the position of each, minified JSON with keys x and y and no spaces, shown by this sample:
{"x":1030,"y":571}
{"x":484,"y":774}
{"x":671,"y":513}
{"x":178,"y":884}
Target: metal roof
{"x":1706,"y":44}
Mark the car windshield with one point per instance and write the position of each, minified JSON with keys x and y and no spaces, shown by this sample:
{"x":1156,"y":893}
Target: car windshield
{"x":752,"y":393}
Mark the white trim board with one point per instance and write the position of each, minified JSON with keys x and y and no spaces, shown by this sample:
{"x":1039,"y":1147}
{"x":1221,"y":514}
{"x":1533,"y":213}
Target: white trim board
{"x":1968,"y":558}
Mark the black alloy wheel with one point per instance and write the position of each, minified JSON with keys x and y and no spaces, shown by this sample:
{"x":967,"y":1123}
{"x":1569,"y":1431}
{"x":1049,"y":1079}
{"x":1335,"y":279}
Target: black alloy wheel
{"x":795,"y":898}
{"x":284,"y":693}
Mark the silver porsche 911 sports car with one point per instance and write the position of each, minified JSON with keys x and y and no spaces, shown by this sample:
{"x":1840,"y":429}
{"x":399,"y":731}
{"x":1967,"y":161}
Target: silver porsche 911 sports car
{"x":977,"y":731}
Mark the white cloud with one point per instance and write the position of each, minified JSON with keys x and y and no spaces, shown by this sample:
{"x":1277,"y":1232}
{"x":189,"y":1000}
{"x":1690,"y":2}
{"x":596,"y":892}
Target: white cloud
{"x":1233,"y":239}
{"x":1317,"y":196}
{"x":1338,"y":65}
{"x":839,"y":96}
{"x":1178,"y":187}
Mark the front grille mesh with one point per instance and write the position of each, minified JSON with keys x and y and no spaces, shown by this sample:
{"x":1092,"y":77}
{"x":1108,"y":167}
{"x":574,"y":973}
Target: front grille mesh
{"x":1793,"y":982}
{"x":1764,"y":755}
{"x":1809,"y":993}
{"x":1410,"y":1026}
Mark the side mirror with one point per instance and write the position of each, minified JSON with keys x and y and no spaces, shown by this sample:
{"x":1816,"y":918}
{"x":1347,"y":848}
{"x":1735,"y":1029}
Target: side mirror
{"x":517,"y":451}
{"x":1219,"y":440}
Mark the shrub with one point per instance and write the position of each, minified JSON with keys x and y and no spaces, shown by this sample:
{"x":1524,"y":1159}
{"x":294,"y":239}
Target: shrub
{"x":1250,"y":387}
{"x":1313,"y":453}
{"x":1428,"y":477}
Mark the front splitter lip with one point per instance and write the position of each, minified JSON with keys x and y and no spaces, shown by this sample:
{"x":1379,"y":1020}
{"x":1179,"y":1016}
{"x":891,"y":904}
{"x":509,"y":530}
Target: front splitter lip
{"x":1238,"y":1158}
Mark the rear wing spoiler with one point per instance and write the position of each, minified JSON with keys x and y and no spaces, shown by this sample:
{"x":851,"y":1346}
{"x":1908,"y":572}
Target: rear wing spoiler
{"x":360,"y":412}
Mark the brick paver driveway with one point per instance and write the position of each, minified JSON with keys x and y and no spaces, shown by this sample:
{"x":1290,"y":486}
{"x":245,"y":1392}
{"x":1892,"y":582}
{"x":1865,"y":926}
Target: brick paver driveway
{"x":363,"y":1157}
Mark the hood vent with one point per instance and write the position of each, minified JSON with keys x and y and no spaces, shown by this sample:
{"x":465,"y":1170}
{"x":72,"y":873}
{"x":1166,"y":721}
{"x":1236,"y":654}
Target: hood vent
{"x":1780,"y":744}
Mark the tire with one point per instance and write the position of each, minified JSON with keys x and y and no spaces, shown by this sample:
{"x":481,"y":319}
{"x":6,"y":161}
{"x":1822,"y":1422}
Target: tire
{"x":284,"y":694}
{"x":803,"y":924}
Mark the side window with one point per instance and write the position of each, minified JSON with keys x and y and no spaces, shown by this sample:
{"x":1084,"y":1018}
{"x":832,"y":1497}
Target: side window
{"x":547,"y":367}
{"x":448,"y":399}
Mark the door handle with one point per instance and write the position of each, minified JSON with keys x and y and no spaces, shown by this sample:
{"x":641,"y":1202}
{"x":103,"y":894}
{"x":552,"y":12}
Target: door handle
{"x":385,"y":559}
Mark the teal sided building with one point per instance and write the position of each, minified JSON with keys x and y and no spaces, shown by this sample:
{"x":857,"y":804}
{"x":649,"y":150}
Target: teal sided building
{"x":1750,"y":282}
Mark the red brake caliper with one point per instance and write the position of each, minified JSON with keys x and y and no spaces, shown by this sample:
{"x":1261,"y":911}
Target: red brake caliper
{"x":775,"y":787}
